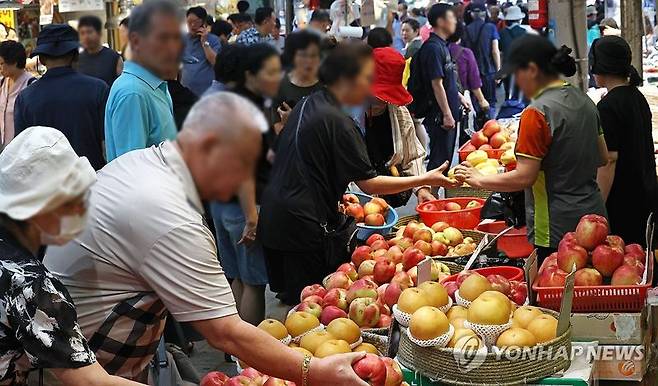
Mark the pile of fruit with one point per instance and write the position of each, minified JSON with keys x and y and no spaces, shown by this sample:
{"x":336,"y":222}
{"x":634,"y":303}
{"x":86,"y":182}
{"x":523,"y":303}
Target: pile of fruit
{"x":491,"y":319}
{"x":471,"y":285}
{"x":599,"y":258}
{"x":340,"y":336}
{"x":247,"y":377}
{"x":450,"y":206}
{"x":489,"y":149}
{"x":491,"y":137}
{"x":373,"y":213}
{"x":438,"y":240}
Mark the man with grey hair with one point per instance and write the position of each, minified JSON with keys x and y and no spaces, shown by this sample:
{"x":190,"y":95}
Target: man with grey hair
{"x":147,"y":250}
{"x":139,"y":110}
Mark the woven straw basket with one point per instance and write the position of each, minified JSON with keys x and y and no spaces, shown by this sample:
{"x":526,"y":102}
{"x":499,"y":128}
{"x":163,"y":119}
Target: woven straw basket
{"x":467,"y":191}
{"x":442,"y":365}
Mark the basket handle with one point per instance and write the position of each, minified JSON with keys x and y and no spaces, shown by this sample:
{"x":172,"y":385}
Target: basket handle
{"x":484,"y":243}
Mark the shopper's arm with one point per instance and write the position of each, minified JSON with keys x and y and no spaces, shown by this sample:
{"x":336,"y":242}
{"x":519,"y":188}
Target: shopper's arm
{"x":603,"y":151}
{"x":442,"y":101}
{"x":266,"y":354}
{"x":482,"y":101}
{"x":391,"y":185}
{"x":495,"y":52}
{"x":119,"y":66}
{"x":606,"y":174}
{"x":521,"y":178}
{"x":247,"y":198}
{"x":92,"y":375}
{"x":209,"y":51}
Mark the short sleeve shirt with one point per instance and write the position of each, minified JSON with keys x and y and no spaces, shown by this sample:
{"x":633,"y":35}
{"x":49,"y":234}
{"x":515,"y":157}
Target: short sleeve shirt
{"x":198,"y":73}
{"x":482,"y":46}
{"x":436,"y":63}
{"x":467,"y":67}
{"x":146,"y":250}
{"x":38,"y":321}
{"x":308,"y":179}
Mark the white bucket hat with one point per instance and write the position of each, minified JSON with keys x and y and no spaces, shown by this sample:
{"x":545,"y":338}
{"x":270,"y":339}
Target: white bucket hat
{"x":39,"y":171}
{"x":514,"y":13}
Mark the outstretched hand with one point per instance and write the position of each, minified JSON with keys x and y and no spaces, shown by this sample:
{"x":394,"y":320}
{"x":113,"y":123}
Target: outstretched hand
{"x":437,"y":178}
{"x":464,"y":173}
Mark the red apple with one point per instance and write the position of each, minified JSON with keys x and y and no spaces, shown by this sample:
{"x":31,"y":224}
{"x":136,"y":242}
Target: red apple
{"x":330,"y":313}
{"x":312,"y":308}
{"x":626,"y":275}
{"x":478,"y":139}
{"x":214,"y":378}
{"x":424,"y":247}
{"x":315,"y":289}
{"x":356,"y":211}
{"x":440,"y":226}
{"x":491,"y":127}
{"x":364,"y":312}
{"x":410,"y":229}
{"x":518,"y":292}
{"x":371,"y":369}
{"x":552,"y":277}
{"x":336,"y":297}
{"x":632,"y":261}
{"x":607,"y":259}
{"x":384,"y":321}
{"x":588,"y":277}
{"x":591,"y":231}
{"x":551,"y":260}
{"x":394,"y":375}
{"x":374,"y":237}
{"x":394,"y":254}
{"x":452,"y":206}
{"x":497,"y":140}
{"x":463,"y":275}
{"x":411,"y":257}
{"x":313,"y":299}
{"x":383,"y":308}
{"x":570,"y":253}
{"x":391,"y":294}
{"x":240,"y":380}
{"x":635,"y":250}
{"x":362,"y":288}
{"x":349,"y":270}
{"x":499,"y":283}
{"x":350,"y":198}
{"x":485,"y":147}
{"x":439,"y":249}
{"x":423,"y":234}
{"x":375,"y":220}
{"x":384,"y":272}
{"x":451,"y":287}
{"x":360,"y":255}
{"x":615,"y":241}
{"x":251,"y":373}
{"x":468,"y":148}
{"x":338,"y":280}
{"x":367,"y":268}
{"x":403,"y":279}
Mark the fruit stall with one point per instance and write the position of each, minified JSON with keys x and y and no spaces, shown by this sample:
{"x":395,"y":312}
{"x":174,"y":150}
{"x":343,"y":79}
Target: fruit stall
{"x":447,"y":297}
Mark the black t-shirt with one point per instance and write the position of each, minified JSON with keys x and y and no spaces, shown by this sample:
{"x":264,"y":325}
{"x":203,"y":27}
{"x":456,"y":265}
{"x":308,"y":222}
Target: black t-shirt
{"x":333,"y":153}
{"x":101,"y":65}
{"x":379,"y":139}
{"x":626,"y":121}
{"x":436,"y":62}
{"x":291,"y":93}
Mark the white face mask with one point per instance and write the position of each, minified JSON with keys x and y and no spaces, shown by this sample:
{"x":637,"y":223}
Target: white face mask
{"x":69,"y":228}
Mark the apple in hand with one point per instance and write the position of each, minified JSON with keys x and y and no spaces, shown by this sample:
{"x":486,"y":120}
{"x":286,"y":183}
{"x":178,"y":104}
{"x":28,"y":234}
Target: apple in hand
{"x":240,"y":380}
{"x":371,"y":369}
{"x":591,"y":231}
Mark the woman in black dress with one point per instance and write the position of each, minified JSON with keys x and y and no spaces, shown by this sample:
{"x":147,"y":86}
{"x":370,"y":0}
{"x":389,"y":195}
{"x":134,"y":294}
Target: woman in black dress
{"x":628,"y":181}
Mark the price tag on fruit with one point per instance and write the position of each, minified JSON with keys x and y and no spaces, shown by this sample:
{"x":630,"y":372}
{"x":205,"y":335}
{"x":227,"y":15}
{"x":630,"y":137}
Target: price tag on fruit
{"x":424,"y":271}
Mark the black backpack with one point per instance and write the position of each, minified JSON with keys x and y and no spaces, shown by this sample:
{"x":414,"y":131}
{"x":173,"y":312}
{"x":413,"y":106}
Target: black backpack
{"x":419,"y":87}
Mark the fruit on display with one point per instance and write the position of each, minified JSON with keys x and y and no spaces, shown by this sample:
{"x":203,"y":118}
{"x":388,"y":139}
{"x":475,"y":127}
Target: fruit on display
{"x":525,"y":314}
{"x":312,"y":308}
{"x":489,"y":308}
{"x":411,"y":257}
{"x":412,"y":299}
{"x":331,"y":313}
{"x":374,"y":237}
{"x":459,"y":333}
{"x":214,"y":378}
{"x":500,"y":283}
{"x":457,"y":312}
{"x":336,"y":297}
{"x":478,"y":139}
{"x":362,"y":288}
{"x":473,"y":286}
{"x":373,"y":213}
{"x":298,"y":323}
{"x":274,"y":328}
{"x":375,"y":219}
{"x":371,"y":369}
{"x":364,"y":312}
{"x":428,"y":323}
{"x":518,"y":292}
{"x":367,"y":268}
{"x":443,"y":240}
{"x":543,"y":327}
{"x":468,"y":342}
{"x":332,"y":347}
{"x":313,"y":290}
{"x":609,"y":260}
{"x":491,"y":127}
{"x":338,"y":280}
{"x":315,"y":339}
{"x":516,"y":338}
{"x":508,"y":158}
{"x":356,"y":211}
{"x":435,"y":293}
{"x":366,"y":348}
{"x":344,"y":329}
{"x":394,"y":375}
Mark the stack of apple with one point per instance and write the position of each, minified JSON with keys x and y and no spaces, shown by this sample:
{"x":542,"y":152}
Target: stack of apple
{"x":340,"y":336}
{"x":247,"y":377}
{"x":373,"y":213}
{"x":471,"y":285}
{"x":491,"y":137}
{"x":451,"y":206}
{"x":599,"y":258}
{"x":438,"y":240}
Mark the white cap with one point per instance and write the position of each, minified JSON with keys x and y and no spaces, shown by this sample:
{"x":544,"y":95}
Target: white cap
{"x":514,"y":13}
{"x":40,"y":171}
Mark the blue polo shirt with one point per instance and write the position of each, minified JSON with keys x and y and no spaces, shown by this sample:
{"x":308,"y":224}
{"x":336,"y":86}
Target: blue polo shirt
{"x":198,"y":72}
{"x":70,"y":102}
{"x":436,"y":62}
{"x":139,"y":112}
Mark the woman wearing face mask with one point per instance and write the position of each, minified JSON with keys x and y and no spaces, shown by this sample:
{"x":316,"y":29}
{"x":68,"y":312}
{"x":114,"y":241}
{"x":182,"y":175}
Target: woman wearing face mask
{"x":393,"y":147}
{"x":559,"y":147}
{"x":42,"y":202}
{"x":302,"y":56}
{"x":240,"y":252}
{"x":320,"y":151}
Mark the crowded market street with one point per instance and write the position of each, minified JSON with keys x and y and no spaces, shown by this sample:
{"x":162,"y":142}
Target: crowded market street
{"x":328,"y":192}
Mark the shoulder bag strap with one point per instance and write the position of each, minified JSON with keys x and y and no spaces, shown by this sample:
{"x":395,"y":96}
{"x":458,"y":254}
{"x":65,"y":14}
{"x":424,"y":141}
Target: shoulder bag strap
{"x":321,"y":218}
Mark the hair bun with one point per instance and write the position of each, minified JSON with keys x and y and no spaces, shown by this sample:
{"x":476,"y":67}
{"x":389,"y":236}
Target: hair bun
{"x":563,"y":62}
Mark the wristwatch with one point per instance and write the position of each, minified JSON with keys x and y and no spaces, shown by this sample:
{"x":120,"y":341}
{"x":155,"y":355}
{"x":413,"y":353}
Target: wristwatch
{"x":206,"y":44}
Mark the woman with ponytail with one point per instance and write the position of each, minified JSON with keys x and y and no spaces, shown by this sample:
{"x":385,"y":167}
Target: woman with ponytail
{"x":630,"y":173}
{"x":559,"y":146}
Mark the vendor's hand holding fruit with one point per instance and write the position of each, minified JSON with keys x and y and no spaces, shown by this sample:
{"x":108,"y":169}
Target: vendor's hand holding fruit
{"x":464,"y":173}
{"x":424,"y":195}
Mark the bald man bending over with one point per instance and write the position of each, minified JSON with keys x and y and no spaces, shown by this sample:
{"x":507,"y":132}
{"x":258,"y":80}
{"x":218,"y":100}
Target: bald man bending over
{"x":146,"y":250}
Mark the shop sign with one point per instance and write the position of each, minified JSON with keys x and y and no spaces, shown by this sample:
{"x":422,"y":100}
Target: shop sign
{"x":81,"y":5}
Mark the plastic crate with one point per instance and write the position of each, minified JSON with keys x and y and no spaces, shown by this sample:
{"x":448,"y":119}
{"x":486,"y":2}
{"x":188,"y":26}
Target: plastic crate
{"x":604,"y":298}
{"x":514,"y":243}
{"x":492,"y":153}
{"x":432,"y":212}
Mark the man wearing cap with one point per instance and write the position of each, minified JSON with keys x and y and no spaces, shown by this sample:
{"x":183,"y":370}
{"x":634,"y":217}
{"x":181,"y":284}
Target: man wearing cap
{"x":139,"y":110}
{"x":513,"y":29}
{"x":482,"y":38}
{"x":63,"y":98}
{"x":42,"y":202}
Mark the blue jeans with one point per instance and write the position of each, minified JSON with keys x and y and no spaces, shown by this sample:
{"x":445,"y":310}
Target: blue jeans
{"x":442,"y":141}
{"x":239,"y":261}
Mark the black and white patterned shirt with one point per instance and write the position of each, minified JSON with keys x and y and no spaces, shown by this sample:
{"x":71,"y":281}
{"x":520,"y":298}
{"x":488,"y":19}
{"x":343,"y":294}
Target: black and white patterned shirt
{"x":38,"y":321}
{"x":251,"y":36}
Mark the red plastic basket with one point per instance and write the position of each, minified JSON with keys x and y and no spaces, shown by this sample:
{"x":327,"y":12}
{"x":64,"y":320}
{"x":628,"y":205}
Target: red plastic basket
{"x":493,"y":153}
{"x":514,"y":243}
{"x":432,"y":212}
{"x":509,"y":273}
{"x":605,"y":298}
